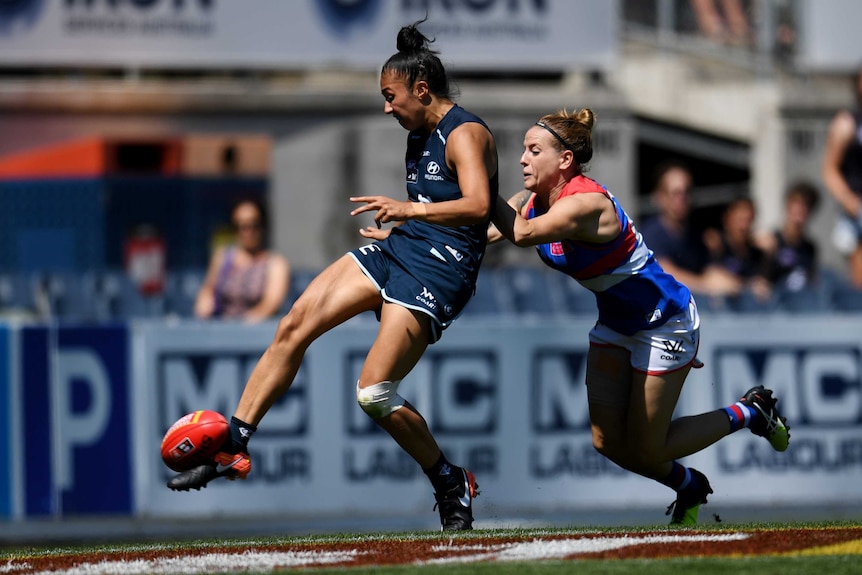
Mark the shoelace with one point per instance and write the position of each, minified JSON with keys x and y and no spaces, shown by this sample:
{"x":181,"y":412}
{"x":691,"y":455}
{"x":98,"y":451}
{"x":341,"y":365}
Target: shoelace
{"x":699,"y":501}
{"x":442,"y":500}
{"x":670,"y":507}
{"x":771,"y":421}
{"x":438,"y":504}
{"x":449,"y":497}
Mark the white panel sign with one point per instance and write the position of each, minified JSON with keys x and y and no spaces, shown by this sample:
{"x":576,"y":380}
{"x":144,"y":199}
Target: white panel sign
{"x":829,"y":35}
{"x":507,"y":400}
{"x":302,"y":34}
{"x":814,"y":365}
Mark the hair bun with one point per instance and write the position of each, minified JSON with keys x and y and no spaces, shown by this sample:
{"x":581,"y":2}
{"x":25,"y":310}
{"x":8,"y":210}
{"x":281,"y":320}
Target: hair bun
{"x":410,"y":40}
{"x":586,"y":117}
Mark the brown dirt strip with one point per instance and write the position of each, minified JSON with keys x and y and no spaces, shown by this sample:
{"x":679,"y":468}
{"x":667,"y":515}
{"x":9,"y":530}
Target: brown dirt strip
{"x":397,"y":551}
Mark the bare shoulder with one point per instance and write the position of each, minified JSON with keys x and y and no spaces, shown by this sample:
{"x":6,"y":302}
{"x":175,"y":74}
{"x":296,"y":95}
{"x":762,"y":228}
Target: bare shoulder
{"x":766,"y":241}
{"x":471,"y":133}
{"x":843,"y":124}
{"x":218,"y":255}
{"x":277,"y":260}
{"x":586,"y":203}
{"x":472,"y":140}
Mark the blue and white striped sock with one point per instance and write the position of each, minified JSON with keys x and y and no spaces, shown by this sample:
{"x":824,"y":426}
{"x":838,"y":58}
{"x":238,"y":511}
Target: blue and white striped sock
{"x":740,"y":415}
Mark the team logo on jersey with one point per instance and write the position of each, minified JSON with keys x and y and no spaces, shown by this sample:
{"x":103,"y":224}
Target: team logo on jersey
{"x":558,"y":249}
{"x":673,"y":346}
{"x":427,"y":298}
{"x":412,"y":172}
{"x":673,"y":349}
{"x":654,"y":316}
{"x":432,"y":171}
{"x":455,"y":253}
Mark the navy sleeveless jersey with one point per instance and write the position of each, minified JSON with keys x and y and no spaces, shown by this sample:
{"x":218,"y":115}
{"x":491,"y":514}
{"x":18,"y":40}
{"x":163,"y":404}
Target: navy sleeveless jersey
{"x":851,"y":166}
{"x":430,"y":180}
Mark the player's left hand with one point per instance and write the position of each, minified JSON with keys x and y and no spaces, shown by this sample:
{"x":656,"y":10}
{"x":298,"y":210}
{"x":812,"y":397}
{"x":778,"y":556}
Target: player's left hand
{"x":374,"y":233}
{"x":388,"y":210}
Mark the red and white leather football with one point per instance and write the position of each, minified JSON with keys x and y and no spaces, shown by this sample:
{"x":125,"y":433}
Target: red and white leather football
{"x":194,"y":439}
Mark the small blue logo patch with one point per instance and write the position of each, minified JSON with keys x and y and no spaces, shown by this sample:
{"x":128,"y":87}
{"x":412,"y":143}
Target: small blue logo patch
{"x":343,"y":17}
{"x":16,"y":15}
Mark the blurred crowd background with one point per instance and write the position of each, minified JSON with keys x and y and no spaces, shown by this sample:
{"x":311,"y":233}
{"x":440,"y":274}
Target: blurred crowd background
{"x":130,"y":131}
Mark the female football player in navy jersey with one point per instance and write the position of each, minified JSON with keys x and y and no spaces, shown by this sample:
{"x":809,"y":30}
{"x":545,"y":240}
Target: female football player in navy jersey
{"x":417,"y":276}
{"x":646,"y":338}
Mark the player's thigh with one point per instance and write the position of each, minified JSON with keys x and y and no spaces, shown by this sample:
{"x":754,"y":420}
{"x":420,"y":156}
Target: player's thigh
{"x":401,"y":340}
{"x":653,"y":401}
{"x":608,"y":392}
{"x":338,"y":293}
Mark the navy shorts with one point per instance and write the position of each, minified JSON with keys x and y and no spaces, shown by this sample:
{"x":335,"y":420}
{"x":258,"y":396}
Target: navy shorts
{"x":429,"y":286}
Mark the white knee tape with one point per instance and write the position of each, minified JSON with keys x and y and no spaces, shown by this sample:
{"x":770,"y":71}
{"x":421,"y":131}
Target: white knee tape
{"x":380,"y":399}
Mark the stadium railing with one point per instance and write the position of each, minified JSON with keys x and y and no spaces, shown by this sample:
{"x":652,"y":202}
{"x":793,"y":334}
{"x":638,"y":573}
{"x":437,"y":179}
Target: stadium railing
{"x":523,"y":291}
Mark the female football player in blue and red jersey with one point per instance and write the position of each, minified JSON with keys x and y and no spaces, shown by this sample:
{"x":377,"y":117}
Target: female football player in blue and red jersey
{"x":646,"y":338}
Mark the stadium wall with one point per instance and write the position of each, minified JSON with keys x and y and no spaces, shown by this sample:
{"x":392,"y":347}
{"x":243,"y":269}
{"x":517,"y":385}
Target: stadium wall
{"x":86,"y":407}
{"x":321,"y":157}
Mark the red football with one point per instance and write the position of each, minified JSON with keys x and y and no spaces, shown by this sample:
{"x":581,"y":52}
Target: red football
{"x":194,"y":439}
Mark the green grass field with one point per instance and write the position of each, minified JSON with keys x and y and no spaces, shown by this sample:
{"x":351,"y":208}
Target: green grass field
{"x":764,"y":549}
{"x":839,"y":565}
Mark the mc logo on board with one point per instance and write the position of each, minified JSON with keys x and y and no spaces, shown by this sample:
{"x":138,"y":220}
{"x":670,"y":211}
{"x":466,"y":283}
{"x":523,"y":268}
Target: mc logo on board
{"x":214,"y":380}
{"x":457,"y":392}
{"x":819,"y":385}
{"x":559,"y":398}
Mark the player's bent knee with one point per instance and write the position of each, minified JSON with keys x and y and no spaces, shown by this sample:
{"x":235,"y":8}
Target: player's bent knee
{"x":605,"y":450}
{"x":616,"y":453}
{"x":379,"y":400}
{"x":602,"y":443}
{"x":646,"y":457}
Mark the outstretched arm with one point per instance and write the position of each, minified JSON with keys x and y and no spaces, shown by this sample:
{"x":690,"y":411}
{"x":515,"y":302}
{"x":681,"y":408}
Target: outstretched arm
{"x":277,"y":285}
{"x":471,"y":154}
{"x":589,"y":217}
{"x":839,"y":136}
{"x":501,"y":212}
{"x":205,"y":300}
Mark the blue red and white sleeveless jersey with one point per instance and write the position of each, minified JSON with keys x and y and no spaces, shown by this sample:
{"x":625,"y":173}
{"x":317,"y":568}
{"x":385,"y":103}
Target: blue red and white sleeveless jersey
{"x":633,"y":292}
{"x":430,"y":180}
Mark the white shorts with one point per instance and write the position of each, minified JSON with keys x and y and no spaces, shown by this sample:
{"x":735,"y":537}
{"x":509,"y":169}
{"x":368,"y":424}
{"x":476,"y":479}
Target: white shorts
{"x":667,"y":348}
{"x":847,"y":234}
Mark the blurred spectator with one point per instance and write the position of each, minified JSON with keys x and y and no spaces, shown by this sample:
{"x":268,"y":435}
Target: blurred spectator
{"x":791,"y":255}
{"x":677,"y":244}
{"x":785,"y":31}
{"x":734,"y":248}
{"x":723,"y":21}
{"x":144,"y":255}
{"x":244,"y":280}
{"x":842,"y":175}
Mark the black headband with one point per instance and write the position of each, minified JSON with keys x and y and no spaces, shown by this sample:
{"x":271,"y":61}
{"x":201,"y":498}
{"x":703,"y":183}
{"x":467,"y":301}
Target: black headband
{"x":556,"y":135}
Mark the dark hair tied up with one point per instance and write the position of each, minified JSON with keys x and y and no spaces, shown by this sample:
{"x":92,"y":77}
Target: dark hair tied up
{"x":416,"y":61}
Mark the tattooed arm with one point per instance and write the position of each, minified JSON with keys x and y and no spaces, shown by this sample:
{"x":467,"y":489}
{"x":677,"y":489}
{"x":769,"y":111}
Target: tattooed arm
{"x":516,"y":202}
